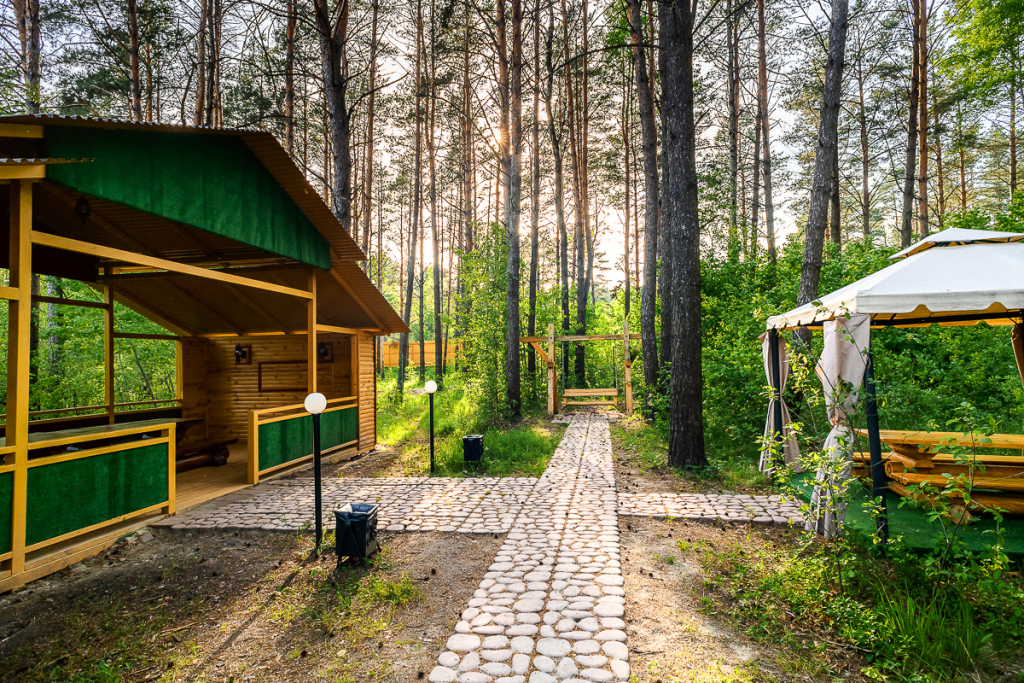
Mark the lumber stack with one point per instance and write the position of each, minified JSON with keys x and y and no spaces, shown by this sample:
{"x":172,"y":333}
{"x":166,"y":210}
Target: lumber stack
{"x":996,"y":482}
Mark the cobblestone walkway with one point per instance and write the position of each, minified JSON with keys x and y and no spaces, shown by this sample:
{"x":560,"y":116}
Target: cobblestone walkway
{"x":550,"y":606}
{"x":418,"y":504}
{"x":710,"y":507}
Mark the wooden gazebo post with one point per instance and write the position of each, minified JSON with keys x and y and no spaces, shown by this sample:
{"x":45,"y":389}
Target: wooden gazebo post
{"x":19,"y":323}
{"x":628,"y":373}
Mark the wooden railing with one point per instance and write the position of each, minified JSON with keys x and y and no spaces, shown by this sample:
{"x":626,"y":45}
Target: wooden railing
{"x":54,"y":499}
{"x":283,"y":436}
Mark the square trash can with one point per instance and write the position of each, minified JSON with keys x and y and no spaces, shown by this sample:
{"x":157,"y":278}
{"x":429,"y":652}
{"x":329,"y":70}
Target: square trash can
{"x":473,"y":448}
{"x":356,"y":531}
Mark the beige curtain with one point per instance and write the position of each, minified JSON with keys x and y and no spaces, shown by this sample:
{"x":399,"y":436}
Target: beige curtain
{"x":841,"y":371}
{"x":790,"y":449}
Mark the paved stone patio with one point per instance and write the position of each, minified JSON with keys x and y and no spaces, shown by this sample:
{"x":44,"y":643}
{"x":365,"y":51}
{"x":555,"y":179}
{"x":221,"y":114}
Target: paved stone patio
{"x":710,"y":507}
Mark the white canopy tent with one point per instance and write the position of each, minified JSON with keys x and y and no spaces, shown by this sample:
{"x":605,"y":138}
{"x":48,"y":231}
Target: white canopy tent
{"x":954,"y":277}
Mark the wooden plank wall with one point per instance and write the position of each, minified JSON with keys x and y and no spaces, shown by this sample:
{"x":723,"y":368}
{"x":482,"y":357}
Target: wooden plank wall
{"x":193,"y":390}
{"x":367,"y":392}
{"x":231,"y":390}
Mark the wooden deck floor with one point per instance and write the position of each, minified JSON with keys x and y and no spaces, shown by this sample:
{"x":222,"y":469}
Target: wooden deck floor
{"x":206,"y":483}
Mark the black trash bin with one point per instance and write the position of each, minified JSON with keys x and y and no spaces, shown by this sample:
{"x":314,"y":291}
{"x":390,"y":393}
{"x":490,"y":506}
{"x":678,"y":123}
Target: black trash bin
{"x":356,"y":531}
{"x":473,"y":447}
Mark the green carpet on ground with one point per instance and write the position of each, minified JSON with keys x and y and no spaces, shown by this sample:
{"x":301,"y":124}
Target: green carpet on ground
{"x":913,"y":525}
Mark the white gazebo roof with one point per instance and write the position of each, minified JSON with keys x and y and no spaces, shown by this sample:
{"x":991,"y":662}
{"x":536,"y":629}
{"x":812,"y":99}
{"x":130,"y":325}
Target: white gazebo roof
{"x":954,"y":277}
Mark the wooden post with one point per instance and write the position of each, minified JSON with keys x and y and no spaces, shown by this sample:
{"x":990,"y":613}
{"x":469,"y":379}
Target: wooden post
{"x":878,"y":480}
{"x":311,"y":335}
{"x":628,"y":373}
{"x":775,"y":367}
{"x":552,"y":372}
{"x":171,"y":469}
{"x":19,"y":323}
{"x":108,"y":350}
{"x":254,"y":447}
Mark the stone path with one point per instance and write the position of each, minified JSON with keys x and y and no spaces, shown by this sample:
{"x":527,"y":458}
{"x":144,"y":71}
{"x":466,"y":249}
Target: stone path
{"x":551,"y":605}
{"x":710,"y":507}
{"x":484,"y":505}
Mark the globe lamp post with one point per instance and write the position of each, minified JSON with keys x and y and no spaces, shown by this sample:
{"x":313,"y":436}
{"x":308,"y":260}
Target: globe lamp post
{"x":315,"y":404}
{"x":431,"y":389}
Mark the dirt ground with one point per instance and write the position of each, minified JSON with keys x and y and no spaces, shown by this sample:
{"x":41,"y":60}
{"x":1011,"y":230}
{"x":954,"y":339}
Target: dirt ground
{"x":678,"y":631}
{"x":242,"y":607}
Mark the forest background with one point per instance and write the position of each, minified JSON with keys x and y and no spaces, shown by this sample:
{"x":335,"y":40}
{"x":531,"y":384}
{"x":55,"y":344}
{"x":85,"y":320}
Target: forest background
{"x":506,"y":165}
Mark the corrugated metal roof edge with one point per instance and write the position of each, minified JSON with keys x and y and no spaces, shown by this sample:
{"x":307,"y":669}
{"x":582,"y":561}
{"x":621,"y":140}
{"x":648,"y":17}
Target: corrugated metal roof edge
{"x":288,"y":175}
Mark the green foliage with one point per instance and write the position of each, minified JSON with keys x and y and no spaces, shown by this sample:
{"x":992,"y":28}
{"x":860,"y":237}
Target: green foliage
{"x":910,"y":627}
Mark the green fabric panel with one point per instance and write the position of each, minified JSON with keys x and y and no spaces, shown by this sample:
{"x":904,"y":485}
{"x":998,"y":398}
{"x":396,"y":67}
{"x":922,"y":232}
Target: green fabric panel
{"x":338,"y":427}
{"x":211,"y":182}
{"x":6,"y":510}
{"x":71,"y":495}
{"x":912,"y":523}
{"x":286,"y":440}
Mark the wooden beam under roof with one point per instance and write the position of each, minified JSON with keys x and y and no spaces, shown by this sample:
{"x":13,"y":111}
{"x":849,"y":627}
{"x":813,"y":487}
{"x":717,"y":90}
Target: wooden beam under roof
{"x":355,"y":297}
{"x":59,"y":192}
{"x":160,"y":318}
{"x":121,"y":255}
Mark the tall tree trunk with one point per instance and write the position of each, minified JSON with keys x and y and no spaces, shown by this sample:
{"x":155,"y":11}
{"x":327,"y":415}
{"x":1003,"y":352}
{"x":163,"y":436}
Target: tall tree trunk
{"x":1013,"y":136}
{"x":200,"y":107}
{"x":535,"y":194}
{"x":963,"y":158}
{"x":467,"y":146}
{"x":371,"y":100}
{"x":836,"y":219}
{"x":579,"y":207}
{"x":755,"y":198}
{"x":679,"y":149}
{"x":422,"y":318}
{"x":649,"y":149}
{"x":865,"y":194}
{"x":289,"y":78}
{"x":922,"y":178}
{"x":133,"y":58}
{"x":403,"y":344}
{"x":434,"y":236}
{"x":626,"y":193}
{"x":941,"y":196}
{"x":513,"y":198}
{"x":559,"y":178}
{"x":824,"y":160}
{"x":907,"y":219}
{"x":26,"y":15}
{"x":333,"y":50}
{"x":732,"y":85}
{"x":762,"y":98}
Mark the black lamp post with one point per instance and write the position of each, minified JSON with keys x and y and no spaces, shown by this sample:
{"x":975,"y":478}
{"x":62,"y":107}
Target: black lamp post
{"x":431,"y":389}
{"x":315,"y":404}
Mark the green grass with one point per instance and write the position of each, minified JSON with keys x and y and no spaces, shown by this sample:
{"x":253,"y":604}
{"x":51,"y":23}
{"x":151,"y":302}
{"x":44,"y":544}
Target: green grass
{"x":647,"y":448}
{"x":510,"y":449}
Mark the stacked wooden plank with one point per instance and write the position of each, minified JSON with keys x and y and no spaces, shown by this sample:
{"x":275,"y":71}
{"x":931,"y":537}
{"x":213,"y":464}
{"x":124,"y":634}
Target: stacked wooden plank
{"x":994,"y":482}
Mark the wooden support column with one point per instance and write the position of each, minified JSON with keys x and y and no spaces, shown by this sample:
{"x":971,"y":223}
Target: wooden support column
{"x":108,"y":350}
{"x":19,"y":323}
{"x":628,"y":373}
{"x":552,"y":372}
{"x":311,"y":334}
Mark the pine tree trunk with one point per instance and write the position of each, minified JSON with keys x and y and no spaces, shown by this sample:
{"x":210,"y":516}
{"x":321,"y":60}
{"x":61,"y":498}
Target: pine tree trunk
{"x":825,"y":158}
{"x":732,"y":81}
{"x":626,"y":194}
{"x":762,"y":97}
{"x":371,"y":100}
{"x":531,"y":361}
{"x":434,"y":237}
{"x":907,"y":218}
{"x":836,"y":221}
{"x":133,"y":58}
{"x":289,"y":78}
{"x":679,"y":154}
{"x":200,"y":108}
{"x":922,"y":178}
{"x":865,"y":198}
{"x":649,"y":149}
{"x":403,"y":344}
{"x":559,"y":178}
{"x":333,"y":47}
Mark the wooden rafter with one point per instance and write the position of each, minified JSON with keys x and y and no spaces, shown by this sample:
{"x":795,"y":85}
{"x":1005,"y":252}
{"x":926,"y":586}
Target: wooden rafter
{"x":159,"y":318}
{"x":58,"y":192}
{"x":199,"y":304}
{"x":256,"y":308}
{"x":366,"y":309}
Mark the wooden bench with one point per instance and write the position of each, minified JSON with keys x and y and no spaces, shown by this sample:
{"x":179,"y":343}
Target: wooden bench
{"x":212,"y":452}
{"x":586,"y":393}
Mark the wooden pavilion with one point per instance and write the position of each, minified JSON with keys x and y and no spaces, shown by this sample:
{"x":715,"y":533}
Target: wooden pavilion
{"x":218,"y":237}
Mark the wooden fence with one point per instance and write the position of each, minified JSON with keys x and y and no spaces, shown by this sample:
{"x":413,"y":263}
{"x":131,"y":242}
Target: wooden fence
{"x":389,"y":354}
